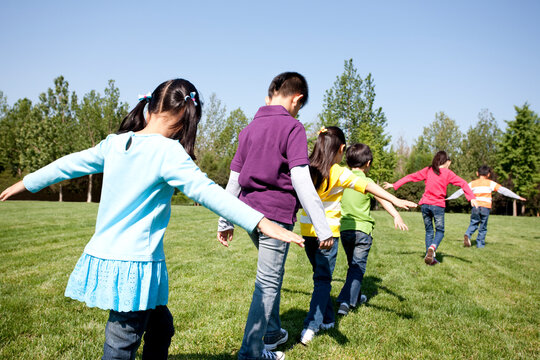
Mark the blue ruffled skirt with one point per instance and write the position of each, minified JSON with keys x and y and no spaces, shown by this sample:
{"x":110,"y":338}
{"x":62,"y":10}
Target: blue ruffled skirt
{"x":119,"y":285}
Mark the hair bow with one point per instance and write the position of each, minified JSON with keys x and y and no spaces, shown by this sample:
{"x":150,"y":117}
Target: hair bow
{"x":322,"y":130}
{"x":192,"y":96}
{"x":146,"y":97}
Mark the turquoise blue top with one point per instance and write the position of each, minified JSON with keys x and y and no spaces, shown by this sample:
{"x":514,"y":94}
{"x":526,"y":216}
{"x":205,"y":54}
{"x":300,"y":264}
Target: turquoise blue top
{"x":123,"y":266}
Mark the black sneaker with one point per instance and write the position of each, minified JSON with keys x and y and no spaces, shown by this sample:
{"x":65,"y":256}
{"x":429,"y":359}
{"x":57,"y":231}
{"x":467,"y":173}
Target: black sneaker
{"x":343,"y":309}
{"x":283,"y":337}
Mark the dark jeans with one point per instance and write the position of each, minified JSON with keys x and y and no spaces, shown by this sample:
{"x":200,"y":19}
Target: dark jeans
{"x":356,"y":245}
{"x":479,"y":220}
{"x":433,"y":214}
{"x":323,"y":263}
{"x":124,"y":332}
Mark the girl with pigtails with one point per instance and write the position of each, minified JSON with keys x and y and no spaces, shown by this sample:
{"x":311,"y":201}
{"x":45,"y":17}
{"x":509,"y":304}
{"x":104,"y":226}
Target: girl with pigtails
{"x":122,"y":268}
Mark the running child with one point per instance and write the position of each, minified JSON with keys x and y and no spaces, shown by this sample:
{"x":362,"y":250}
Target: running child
{"x":122,"y":268}
{"x":330,"y":179}
{"x":357,"y":226}
{"x":482,"y":188}
{"x":437,"y":176}
{"x":270,"y":173}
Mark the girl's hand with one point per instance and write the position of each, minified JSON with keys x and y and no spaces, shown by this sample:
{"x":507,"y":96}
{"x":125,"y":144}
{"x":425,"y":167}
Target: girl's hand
{"x":326,"y":244}
{"x":12,"y":190}
{"x":275,"y":231}
{"x":404,"y":204}
{"x":399,"y":224}
{"x":387,"y":185}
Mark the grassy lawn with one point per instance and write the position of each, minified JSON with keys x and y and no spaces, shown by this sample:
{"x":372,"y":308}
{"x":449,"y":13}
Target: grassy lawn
{"x":477,"y":304}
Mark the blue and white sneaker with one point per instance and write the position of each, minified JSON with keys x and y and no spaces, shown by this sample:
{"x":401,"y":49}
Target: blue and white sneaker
{"x":283,"y":337}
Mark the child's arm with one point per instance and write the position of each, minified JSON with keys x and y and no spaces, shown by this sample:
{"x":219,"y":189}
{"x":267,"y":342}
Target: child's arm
{"x":225,"y":227}
{"x":398,"y":221}
{"x":456,"y":180}
{"x":414,"y":177}
{"x":12,"y":190}
{"x":507,"y":192}
{"x":312,"y":205}
{"x":383,"y":194}
{"x":456,"y":195}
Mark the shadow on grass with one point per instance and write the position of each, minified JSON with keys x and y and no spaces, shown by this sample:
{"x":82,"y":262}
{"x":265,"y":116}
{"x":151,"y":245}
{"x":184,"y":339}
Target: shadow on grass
{"x":371,"y":286}
{"x":441,"y":256}
{"x":202,"y":357}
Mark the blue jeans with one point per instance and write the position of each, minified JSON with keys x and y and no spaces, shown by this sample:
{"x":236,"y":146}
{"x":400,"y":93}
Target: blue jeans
{"x":124,"y":332}
{"x":356,"y":245}
{"x":323,"y":262}
{"x":433,"y":214}
{"x":263,"y":317}
{"x":479,"y":220}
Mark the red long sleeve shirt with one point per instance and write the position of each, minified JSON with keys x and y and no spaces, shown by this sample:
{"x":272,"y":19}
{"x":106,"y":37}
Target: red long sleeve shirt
{"x":435,"y":192}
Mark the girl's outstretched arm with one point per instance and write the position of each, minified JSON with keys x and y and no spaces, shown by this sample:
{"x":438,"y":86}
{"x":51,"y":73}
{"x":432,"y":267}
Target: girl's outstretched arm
{"x":383,"y":194}
{"x":12,"y":190}
{"x":275,"y":231}
{"x":398,"y":221}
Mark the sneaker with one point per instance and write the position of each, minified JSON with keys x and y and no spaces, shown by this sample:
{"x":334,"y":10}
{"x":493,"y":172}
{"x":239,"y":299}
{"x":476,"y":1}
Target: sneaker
{"x":434,"y":262}
{"x":271,"y":355}
{"x":466,"y":241}
{"x":283,"y":337}
{"x":429,"y":256}
{"x":328,"y":326}
{"x":343,"y":309}
{"x":306,"y":336}
{"x":363,"y":299}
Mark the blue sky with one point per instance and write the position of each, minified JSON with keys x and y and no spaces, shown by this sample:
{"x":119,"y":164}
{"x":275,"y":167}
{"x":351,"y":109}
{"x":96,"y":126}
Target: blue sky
{"x":425,"y":56}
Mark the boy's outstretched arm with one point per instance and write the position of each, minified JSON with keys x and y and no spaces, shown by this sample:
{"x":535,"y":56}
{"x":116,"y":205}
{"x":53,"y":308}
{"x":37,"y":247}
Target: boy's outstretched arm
{"x":12,"y":190}
{"x":383,"y":194}
{"x":398,"y":221}
{"x":311,"y":202}
{"x":226,"y":228}
{"x":509,"y":193}
{"x":455,"y":195}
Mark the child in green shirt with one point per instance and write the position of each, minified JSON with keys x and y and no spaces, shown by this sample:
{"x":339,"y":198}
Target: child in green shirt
{"x":357,"y":226}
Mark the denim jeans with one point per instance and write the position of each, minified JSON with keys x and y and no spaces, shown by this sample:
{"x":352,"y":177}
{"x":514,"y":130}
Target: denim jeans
{"x":431,"y":214}
{"x":479,"y":220}
{"x":124,"y":332}
{"x":356,"y":245}
{"x":323,"y":262}
{"x":263,"y":317}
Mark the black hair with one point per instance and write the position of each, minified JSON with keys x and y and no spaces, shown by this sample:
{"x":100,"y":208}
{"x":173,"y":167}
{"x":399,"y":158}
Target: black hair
{"x":439,"y":159}
{"x":289,"y":83}
{"x":358,"y":155}
{"x":172,"y":97}
{"x":324,"y":151}
{"x":484,"y":170}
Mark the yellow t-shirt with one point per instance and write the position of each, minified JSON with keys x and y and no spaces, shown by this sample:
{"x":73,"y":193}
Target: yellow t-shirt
{"x":330,"y":192}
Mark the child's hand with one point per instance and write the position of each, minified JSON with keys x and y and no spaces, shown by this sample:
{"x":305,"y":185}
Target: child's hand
{"x":275,"y":231}
{"x":474,"y":203}
{"x":387,"y":185}
{"x":12,"y":190}
{"x":399,"y":224}
{"x":522,"y":199}
{"x":405,"y":204}
{"x":224,"y":237}
{"x":326,"y":244}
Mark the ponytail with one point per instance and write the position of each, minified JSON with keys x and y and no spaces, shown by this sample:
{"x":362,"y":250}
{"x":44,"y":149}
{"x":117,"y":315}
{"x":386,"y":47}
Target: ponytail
{"x":439,"y":159}
{"x":324,"y":151}
{"x":134,"y":121}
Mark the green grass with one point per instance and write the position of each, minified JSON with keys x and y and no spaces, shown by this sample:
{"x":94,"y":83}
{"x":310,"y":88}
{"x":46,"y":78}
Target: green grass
{"x":477,"y":304}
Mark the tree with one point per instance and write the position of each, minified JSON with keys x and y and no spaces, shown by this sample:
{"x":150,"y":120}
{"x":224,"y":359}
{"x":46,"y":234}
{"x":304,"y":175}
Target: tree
{"x":519,"y":156}
{"x":350,"y":104}
{"x":98,"y":117}
{"x":443,"y":134}
{"x":53,"y":135}
{"x":479,"y":145}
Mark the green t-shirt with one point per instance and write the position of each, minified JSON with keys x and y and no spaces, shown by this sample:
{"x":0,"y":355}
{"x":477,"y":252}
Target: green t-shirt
{"x":355,"y":208}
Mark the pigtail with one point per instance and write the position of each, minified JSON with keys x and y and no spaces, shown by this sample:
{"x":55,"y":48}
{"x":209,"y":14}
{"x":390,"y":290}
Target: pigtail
{"x":439,"y":159}
{"x":134,"y":121}
{"x":324,"y":151}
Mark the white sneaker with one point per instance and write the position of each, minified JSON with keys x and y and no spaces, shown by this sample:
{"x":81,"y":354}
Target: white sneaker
{"x":363,"y":299}
{"x":328,"y":326}
{"x":306,"y":336}
{"x":272,"y":355}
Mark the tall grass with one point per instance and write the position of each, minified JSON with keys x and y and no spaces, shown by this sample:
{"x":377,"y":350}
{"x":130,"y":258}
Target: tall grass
{"x":477,"y":304}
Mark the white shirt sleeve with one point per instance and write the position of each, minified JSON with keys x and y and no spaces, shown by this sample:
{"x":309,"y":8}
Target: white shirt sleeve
{"x":310,"y":200}
{"x":507,"y":192}
{"x":234,"y":188}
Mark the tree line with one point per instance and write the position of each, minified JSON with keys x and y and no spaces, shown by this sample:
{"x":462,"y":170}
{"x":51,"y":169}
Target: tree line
{"x":33,"y":135}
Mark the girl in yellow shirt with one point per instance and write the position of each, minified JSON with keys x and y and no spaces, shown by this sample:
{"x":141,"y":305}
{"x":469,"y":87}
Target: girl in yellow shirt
{"x":330,"y":179}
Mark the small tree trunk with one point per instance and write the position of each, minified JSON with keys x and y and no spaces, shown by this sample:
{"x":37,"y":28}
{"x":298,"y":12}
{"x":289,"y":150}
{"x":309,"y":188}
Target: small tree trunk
{"x":522,"y":209}
{"x":60,"y":195}
{"x":514,"y":208}
{"x":89,"y":193}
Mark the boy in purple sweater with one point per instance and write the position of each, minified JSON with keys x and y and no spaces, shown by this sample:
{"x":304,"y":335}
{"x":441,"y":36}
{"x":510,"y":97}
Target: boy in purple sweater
{"x":270,"y":172}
